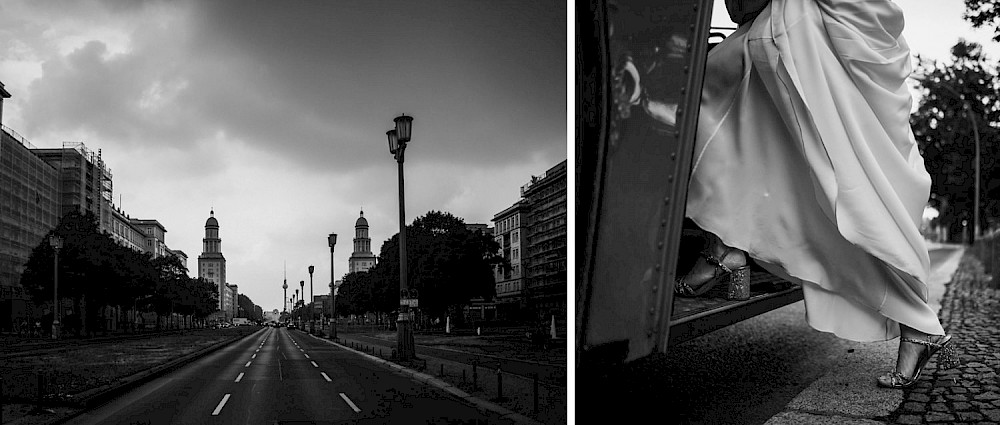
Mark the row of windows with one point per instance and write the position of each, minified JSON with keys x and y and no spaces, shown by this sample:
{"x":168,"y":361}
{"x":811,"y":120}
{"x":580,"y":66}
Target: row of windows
{"x":508,"y":223}
{"x":507,"y":287}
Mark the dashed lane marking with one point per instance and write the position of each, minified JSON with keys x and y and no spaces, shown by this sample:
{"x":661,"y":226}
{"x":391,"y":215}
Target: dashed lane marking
{"x":248,"y":364}
{"x":314,"y":364}
{"x":239,"y":377}
{"x":307,"y":356}
{"x":349,"y":402}
{"x":223,"y":404}
{"x":326,"y":377}
{"x":254,"y":356}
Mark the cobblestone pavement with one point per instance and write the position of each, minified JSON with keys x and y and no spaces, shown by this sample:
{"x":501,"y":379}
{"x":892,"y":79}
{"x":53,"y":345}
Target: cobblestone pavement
{"x":969,"y":393}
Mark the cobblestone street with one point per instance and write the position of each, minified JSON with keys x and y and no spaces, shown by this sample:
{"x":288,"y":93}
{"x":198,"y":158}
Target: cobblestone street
{"x":969,"y":393}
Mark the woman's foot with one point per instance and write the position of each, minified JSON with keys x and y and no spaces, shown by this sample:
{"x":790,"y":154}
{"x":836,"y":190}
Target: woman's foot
{"x":909,"y":352}
{"x":704,"y":271}
{"x":915,"y":350}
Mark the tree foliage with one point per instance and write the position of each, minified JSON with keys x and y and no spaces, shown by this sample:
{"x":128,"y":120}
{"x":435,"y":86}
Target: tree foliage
{"x":955,"y":96}
{"x":984,"y":13}
{"x":447,"y":264}
{"x":247,"y":307}
{"x":94,"y":271}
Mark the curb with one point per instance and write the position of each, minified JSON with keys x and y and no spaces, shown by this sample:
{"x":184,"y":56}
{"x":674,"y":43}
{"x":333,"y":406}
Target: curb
{"x":92,"y":397}
{"x":537,"y":363}
{"x":451,"y":390}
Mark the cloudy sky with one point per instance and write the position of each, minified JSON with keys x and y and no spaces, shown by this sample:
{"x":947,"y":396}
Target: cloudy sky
{"x":275,"y":113}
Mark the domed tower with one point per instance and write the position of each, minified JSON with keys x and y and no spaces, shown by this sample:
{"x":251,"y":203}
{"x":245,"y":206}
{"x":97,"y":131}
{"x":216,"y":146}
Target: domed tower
{"x":362,"y":259}
{"x":211,"y":263}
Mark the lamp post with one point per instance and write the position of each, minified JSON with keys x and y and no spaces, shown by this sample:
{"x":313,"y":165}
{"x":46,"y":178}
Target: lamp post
{"x":312,"y":302}
{"x":56,"y":243}
{"x":302,"y":284}
{"x":397,"y":146}
{"x":332,"y":241}
{"x":284,"y":301}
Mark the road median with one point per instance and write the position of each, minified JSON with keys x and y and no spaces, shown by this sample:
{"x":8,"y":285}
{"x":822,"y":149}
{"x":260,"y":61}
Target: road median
{"x":52,"y":388}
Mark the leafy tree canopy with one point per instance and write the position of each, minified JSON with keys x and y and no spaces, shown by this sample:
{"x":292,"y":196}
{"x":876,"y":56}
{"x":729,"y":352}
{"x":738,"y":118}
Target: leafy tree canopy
{"x":960,"y":102}
{"x":983,"y":13}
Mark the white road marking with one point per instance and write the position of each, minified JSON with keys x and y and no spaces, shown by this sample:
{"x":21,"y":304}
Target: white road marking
{"x":349,"y":402}
{"x":248,"y":364}
{"x":307,"y":356}
{"x":257,"y":350}
{"x":239,"y":377}
{"x":222,"y":404}
{"x":326,"y":377}
{"x":314,"y":364}
{"x":254,"y":356}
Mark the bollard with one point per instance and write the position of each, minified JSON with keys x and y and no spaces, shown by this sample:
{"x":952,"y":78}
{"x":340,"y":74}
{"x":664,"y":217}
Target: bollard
{"x":534,"y":377}
{"x":475,"y":377}
{"x":41,"y":386}
{"x":499,"y":385}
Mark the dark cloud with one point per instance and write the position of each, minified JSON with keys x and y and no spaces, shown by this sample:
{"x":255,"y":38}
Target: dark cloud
{"x":321,"y":82}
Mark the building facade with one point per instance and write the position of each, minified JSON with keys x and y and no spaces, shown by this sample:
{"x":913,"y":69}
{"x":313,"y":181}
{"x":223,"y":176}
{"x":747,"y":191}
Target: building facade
{"x":125,"y":233}
{"x":233,"y":309}
{"x":362,"y":258}
{"x":212,"y":264}
{"x":29,"y":209}
{"x":154,"y":235}
{"x":180,"y":256}
{"x":85,"y":182}
{"x":545,"y":268}
{"x":507,"y":232}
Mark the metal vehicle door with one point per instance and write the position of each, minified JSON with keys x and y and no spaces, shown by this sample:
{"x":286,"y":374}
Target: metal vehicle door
{"x":640,"y":65}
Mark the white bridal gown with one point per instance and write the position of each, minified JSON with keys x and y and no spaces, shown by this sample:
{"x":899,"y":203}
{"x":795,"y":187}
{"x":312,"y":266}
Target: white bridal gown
{"x":805,"y":159}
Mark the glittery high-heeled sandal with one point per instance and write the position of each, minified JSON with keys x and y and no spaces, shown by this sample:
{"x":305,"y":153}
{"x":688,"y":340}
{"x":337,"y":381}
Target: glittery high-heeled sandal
{"x":947,"y":360}
{"x":738,"y":279}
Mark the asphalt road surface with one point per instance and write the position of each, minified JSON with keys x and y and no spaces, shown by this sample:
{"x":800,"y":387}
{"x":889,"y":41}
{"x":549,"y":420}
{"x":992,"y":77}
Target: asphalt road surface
{"x":742,"y":374}
{"x":279,"y":377}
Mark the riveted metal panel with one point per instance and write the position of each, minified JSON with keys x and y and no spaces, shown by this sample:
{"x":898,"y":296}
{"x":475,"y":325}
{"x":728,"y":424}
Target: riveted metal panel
{"x":640,"y":66}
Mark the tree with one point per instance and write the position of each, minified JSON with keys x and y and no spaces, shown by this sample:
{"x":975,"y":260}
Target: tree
{"x":206,"y":298}
{"x":954,"y":96}
{"x":446,"y":263}
{"x":354,"y":294}
{"x":247,"y":306}
{"x":86,"y":270}
{"x":95,"y":271}
{"x":983,"y":13}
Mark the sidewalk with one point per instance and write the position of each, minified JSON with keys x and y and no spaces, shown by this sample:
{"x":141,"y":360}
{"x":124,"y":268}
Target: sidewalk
{"x":466,"y":366}
{"x":967,"y":394}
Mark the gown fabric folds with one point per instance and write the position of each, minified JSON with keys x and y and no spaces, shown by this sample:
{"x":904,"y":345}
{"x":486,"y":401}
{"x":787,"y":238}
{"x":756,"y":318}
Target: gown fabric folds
{"x":805,"y":160}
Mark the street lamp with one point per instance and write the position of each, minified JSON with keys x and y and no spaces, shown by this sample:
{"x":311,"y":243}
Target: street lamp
{"x":397,"y":146}
{"x":284,"y":301}
{"x":56,"y":243}
{"x":302,"y":284}
{"x":332,"y":241}
{"x":312,"y":301}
